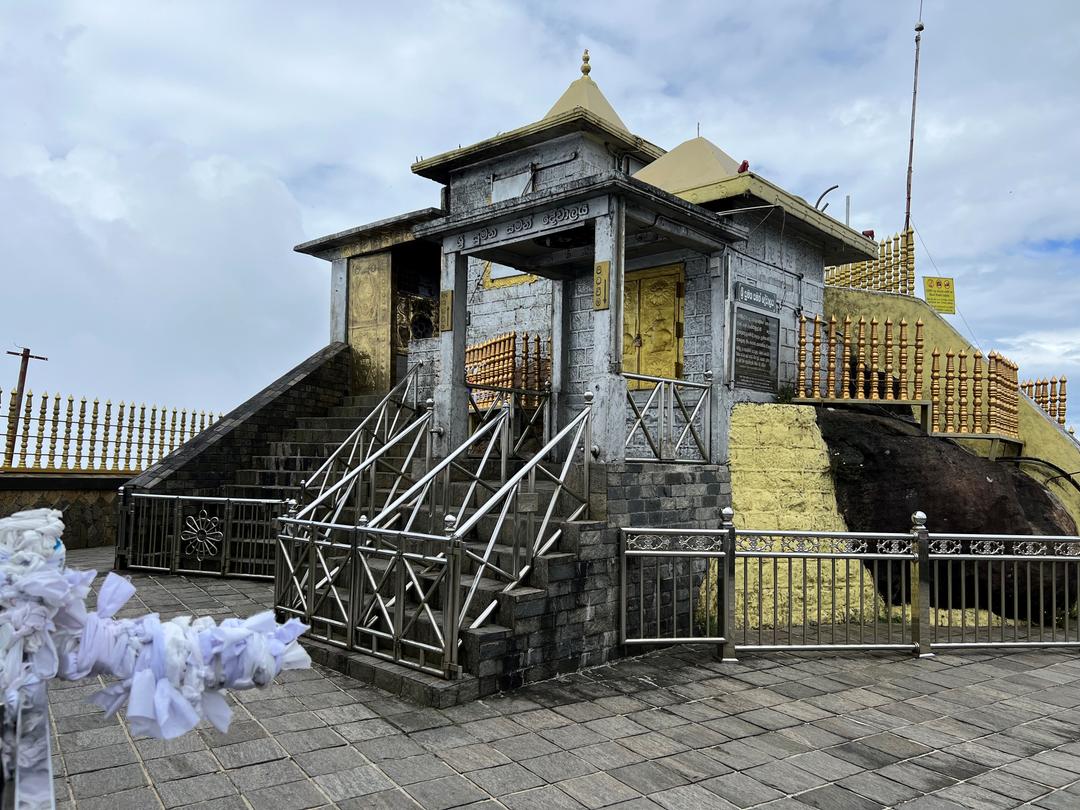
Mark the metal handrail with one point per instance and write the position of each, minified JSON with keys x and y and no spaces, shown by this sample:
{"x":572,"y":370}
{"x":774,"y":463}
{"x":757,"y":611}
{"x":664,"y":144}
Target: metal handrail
{"x":670,"y":440}
{"x":370,"y":461}
{"x":580,"y":430}
{"x":371,"y":423}
{"x":492,"y":432}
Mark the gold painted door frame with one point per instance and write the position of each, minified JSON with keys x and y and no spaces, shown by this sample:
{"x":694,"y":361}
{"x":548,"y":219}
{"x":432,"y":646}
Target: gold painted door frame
{"x":653,"y":323}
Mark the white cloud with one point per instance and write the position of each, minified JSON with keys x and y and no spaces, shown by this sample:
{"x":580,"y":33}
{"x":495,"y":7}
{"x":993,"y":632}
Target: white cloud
{"x":158,"y":161}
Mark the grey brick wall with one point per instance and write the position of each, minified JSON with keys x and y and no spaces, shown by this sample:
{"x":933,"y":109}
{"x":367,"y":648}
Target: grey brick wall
{"x":212,"y":458}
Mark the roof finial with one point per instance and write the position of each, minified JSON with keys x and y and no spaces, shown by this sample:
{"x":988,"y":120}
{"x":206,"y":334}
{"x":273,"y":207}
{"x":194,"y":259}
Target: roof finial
{"x":585,"y":69}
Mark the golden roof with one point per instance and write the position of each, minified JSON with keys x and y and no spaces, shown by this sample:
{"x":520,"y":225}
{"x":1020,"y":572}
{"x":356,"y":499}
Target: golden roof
{"x":693,"y":163}
{"x":585,"y":93}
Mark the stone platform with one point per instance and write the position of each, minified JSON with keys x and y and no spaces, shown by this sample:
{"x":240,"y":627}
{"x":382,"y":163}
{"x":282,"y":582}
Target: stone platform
{"x":672,"y":729}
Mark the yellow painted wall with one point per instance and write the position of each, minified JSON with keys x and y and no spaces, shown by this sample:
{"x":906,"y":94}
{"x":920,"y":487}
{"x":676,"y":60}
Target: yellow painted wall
{"x":1042,"y":437}
{"x":780,"y":480}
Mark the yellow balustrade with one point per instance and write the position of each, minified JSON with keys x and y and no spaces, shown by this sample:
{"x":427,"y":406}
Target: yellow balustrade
{"x":878,"y":361}
{"x":1050,"y":395}
{"x":52,"y":434}
{"x":892,"y":271}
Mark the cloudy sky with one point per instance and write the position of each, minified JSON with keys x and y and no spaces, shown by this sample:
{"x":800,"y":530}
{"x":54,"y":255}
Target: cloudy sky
{"x":159,"y":160}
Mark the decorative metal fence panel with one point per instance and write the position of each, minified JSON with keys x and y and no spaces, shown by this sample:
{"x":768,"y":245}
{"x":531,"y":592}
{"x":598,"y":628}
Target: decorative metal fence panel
{"x":668,"y":420}
{"x":184,"y":534}
{"x":53,"y":434}
{"x":919,"y":591}
{"x":391,"y":594}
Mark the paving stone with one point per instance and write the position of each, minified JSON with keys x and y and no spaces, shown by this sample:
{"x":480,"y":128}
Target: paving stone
{"x":834,"y":797}
{"x":597,"y":790}
{"x":525,"y":746}
{"x":300,"y":742}
{"x":741,"y":790}
{"x":358,"y":781}
{"x":182,"y":766}
{"x":94,"y":759}
{"x":648,"y":777}
{"x":396,"y":799}
{"x":107,"y":780}
{"x":558,"y":766}
{"x":690,"y":797}
{"x":182,"y":792}
{"x":330,"y":760}
{"x":878,"y":788}
{"x":138,"y":799}
{"x":449,"y":791}
{"x":694,"y":765}
{"x":250,"y":752}
{"x":472,"y":757}
{"x":420,"y":768}
{"x":785,"y":777}
{"x":287,"y":796}
{"x":542,"y":798}
{"x":504,"y":779}
{"x":607,"y":756}
{"x":265,"y":774}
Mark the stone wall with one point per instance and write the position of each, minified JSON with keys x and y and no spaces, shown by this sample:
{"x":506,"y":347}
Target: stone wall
{"x":212,"y":458}
{"x":792,"y":268}
{"x":87,"y":501}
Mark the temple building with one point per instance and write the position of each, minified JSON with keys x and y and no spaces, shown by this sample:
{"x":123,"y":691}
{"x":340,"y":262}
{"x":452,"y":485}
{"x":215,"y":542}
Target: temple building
{"x":622,"y":258}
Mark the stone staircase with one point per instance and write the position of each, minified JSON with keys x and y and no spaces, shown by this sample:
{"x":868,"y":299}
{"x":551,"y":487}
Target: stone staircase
{"x":301,"y":451}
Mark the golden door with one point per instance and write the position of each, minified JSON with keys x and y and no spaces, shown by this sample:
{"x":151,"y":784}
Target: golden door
{"x":653,"y":323}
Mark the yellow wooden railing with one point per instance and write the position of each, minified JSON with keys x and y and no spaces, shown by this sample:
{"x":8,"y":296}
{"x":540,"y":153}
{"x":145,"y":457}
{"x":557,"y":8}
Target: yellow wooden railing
{"x":857,"y":360}
{"x":892,"y":271}
{"x":507,"y":361}
{"x":1048,"y":395}
{"x":59,"y":434}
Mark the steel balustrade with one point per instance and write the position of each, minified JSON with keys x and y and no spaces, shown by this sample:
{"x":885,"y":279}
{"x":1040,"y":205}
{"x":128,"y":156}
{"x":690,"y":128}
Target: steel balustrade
{"x":918,"y":591}
{"x":674,"y":421}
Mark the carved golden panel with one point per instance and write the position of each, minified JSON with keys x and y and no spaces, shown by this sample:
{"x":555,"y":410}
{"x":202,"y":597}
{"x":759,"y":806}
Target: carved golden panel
{"x":370,"y":321}
{"x":652,"y":322}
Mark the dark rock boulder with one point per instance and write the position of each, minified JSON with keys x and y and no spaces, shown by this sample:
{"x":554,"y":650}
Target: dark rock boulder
{"x":885,"y":468}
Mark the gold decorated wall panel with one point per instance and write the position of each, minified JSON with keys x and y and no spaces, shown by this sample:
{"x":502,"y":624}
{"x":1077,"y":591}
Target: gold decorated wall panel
{"x":370,"y":321}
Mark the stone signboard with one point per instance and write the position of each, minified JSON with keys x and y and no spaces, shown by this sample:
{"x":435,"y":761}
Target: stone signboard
{"x":756,"y":350}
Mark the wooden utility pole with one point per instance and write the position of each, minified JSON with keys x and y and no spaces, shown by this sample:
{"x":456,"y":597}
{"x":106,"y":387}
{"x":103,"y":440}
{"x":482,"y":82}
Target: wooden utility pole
{"x":13,"y":429}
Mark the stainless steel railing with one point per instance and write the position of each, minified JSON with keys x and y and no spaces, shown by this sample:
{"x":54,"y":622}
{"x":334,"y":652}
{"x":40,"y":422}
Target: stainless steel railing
{"x":194,"y":534}
{"x":394,"y":585}
{"x":668,"y":420}
{"x":796,"y":590}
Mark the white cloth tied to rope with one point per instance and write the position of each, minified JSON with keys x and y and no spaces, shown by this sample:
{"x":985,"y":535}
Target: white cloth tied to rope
{"x":170,"y":674}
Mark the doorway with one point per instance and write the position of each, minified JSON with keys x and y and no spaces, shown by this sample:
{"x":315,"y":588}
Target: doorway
{"x":653,"y":323}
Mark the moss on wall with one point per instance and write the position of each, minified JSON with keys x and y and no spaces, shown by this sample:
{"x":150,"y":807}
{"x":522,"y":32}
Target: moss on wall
{"x":1042,"y":438}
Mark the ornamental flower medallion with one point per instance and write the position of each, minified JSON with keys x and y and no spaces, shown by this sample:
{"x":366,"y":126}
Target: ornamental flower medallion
{"x":202,"y":536}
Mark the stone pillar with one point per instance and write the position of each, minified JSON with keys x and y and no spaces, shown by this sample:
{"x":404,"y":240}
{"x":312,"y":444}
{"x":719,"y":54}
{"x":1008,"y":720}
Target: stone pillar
{"x":608,"y":384}
{"x":451,"y":396}
{"x":560,"y":348}
{"x":339,"y":300}
{"x":719,"y":283}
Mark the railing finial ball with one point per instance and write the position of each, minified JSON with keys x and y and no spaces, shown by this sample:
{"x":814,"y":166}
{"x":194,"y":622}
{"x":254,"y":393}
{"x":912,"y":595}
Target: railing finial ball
{"x":362,"y":521}
{"x":588,"y":397}
{"x":290,"y":506}
{"x":918,"y":519}
{"x":449,"y":524}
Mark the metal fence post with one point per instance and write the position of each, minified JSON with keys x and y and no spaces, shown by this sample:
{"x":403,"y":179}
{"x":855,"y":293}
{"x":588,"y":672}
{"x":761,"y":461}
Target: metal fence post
{"x":452,"y":599}
{"x":120,"y":558}
{"x":920,"y":587}
{"x":280,"y":567}
{"x":726,"y":601}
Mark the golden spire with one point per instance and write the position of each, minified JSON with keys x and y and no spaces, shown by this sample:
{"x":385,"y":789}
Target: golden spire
{"x":585,"y":69}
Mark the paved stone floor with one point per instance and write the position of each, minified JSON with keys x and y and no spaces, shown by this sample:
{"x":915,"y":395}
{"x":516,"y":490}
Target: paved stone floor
{"x":674,"y":729}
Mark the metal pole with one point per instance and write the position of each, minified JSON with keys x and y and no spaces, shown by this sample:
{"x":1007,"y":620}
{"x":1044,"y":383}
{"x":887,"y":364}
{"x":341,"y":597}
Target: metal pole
{"x":725,"y":601}
{"x":920,"y":587}
{"x":911,"y":140}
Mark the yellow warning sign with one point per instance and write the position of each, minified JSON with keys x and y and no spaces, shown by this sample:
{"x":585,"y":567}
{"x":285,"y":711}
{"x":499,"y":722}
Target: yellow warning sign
{"x":940,"y":293}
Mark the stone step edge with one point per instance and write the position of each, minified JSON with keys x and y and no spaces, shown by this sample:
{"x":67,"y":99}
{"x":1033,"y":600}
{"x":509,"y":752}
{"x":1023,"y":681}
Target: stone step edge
{"x":401,"y":681}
